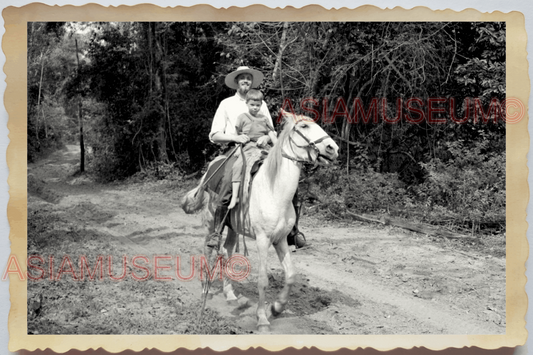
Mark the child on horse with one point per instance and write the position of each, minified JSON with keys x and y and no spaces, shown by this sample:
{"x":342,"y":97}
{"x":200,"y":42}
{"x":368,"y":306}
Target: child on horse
{"x":254,"y":125}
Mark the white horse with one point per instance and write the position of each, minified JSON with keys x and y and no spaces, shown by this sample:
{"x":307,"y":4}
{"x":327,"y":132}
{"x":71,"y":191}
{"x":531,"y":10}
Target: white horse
{"x":268,"y":216}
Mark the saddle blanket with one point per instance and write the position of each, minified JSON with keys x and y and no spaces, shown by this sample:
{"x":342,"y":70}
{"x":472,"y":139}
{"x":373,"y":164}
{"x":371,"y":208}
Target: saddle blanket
{"x":220,"y":184}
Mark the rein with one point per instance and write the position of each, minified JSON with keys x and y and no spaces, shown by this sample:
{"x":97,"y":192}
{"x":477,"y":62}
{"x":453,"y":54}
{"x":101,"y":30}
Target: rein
{"x":310,"y":143}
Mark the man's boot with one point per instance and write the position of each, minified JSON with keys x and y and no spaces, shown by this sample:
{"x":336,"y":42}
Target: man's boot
{"x":214,"y":238}
{"x":296,"y":237}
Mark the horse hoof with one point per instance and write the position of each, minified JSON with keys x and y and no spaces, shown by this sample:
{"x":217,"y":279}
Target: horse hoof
{"x":263,"y":328}
{"x":273,"y":311}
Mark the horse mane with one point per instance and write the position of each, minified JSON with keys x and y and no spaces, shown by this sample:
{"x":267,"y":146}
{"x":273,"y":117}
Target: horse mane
{"x":272,"y":163}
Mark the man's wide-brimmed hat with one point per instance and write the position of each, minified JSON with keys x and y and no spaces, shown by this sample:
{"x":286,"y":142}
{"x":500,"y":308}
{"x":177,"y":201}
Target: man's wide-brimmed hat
{"x":257,"y":75}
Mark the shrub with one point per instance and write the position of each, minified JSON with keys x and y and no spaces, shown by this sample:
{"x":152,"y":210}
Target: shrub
{"x":158,"y":171}
{"x":464,"y":184}
{"x":468,"y":186}
{"x":364,"y":190}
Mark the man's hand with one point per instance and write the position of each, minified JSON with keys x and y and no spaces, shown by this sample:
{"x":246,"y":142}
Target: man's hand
{"x":242,"y":139}
{"x":263,"y":141}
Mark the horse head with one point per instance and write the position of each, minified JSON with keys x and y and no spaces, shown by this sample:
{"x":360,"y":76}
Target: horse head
{"x":305,"y":141}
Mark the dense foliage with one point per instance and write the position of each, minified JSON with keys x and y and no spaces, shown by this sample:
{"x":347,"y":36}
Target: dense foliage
{"x":148,"y":92}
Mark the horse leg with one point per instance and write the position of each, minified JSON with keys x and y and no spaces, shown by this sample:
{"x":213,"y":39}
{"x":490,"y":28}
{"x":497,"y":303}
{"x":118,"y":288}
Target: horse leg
{"x":263,"y":242}
{"x":284,"y":255}
{"x":229,"y":245}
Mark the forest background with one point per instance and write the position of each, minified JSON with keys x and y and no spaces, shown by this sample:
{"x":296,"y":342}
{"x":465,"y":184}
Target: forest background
{"x":144,"y":96}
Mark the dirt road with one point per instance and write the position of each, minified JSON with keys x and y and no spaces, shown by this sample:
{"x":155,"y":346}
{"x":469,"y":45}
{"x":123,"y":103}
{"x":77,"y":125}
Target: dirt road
{"x":353,"y":278}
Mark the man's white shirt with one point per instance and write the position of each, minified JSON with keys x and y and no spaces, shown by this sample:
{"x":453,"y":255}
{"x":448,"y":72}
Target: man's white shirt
{"x":227,"y":113}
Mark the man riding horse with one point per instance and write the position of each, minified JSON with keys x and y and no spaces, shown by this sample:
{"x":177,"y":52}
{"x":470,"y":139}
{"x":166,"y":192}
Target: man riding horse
{"x":223,"y":132}
{"x":267,"y":215}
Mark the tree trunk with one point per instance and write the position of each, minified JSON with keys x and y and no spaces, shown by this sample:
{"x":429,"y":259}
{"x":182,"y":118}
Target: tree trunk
{"x":277,"y":66}
{"x":44,"y":122}
{"x":80,"y":118}
{"x":166,"y":104}
{"x":160,"y":98}
{"x":82,"y":145}
{"x":157,"y":100}
{"x":316,"y":63}
{"x":150,"y":55}
{"x":415,"y":227}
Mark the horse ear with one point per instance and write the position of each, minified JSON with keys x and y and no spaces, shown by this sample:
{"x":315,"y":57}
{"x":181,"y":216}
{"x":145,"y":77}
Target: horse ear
{"x":285,"y":113}
{"x":286,"y":116}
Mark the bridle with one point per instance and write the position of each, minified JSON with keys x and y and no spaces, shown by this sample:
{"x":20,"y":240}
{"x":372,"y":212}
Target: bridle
{"x":310,"y":144}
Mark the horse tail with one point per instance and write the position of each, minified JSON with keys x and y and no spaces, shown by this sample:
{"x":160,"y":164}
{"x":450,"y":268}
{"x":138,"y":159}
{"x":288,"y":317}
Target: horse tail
{"x":195,"y":199}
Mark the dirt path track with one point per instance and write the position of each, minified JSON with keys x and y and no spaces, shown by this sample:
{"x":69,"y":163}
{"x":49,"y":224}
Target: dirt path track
{"x":353,"y":278}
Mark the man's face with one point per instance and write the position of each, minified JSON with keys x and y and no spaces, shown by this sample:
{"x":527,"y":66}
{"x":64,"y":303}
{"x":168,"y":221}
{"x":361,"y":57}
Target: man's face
{"x":244,"y":83}
{"x":254,"y":106}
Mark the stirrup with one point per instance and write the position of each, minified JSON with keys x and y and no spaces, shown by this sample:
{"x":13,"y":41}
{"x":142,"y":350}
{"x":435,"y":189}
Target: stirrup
{"x":214,"y":240}
{"x":299,"y":240}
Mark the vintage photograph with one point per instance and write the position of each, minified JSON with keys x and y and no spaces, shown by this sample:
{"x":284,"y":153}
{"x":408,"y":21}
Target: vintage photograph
{"x":266,"y":178}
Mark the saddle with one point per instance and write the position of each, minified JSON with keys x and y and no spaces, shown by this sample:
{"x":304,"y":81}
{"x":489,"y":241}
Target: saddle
{"x":215,"y":173}
{"x":220,"y":176}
